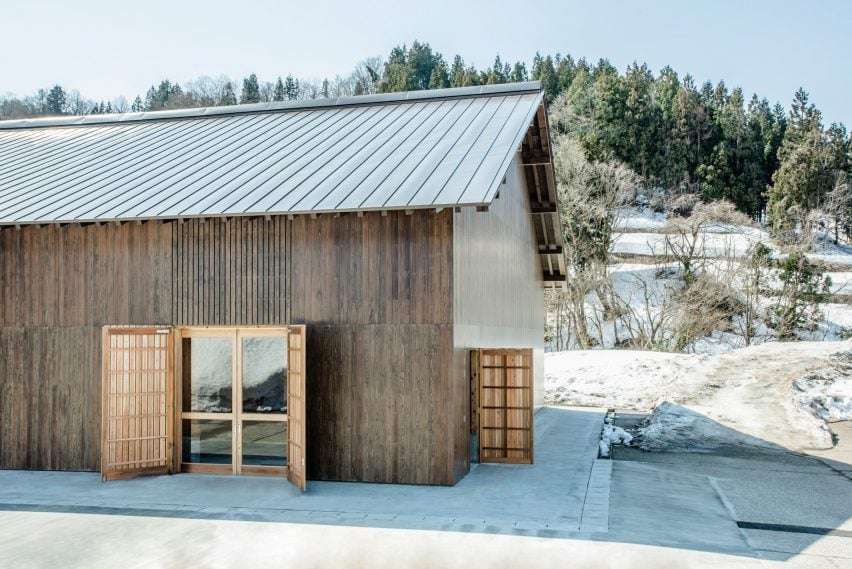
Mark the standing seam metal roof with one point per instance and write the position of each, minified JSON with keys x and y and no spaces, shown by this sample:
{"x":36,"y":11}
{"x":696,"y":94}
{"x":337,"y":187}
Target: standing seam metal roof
{"x":441,"y":148}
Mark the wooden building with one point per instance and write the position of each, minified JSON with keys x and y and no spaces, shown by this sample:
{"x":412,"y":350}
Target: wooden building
{"x":276,"y":288}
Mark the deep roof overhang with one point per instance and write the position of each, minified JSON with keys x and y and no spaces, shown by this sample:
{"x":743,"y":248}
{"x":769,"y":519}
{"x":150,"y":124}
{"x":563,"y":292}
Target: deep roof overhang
{"x":536,"y":157}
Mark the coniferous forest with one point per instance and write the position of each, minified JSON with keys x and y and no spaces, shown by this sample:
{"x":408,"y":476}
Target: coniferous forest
{"x":679,"y":136}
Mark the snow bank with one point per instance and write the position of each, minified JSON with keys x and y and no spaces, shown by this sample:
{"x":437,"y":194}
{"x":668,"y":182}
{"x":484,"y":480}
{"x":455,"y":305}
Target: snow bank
{"x":772,"y":395}
{"x":612,"y":435}
{"x":673,"y":427}
{"x":625,"y":379}
{"x":828,"y":392}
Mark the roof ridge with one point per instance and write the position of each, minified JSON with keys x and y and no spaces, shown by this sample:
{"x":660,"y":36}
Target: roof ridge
{"x":202,"y":112}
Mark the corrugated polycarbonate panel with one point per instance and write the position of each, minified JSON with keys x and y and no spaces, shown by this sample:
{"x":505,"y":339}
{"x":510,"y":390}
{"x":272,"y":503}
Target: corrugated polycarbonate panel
{"x":408,"y":151}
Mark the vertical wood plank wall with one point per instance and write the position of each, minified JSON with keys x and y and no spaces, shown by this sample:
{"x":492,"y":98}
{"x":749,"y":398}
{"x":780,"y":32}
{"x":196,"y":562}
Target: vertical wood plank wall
{"x":498,"y":298}
{"x":375,"y":292}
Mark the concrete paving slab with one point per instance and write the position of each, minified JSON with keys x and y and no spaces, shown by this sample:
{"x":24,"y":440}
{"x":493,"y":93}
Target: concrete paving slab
{"x":817,"y":500}
{"x":106,"y":542}
{"x":796,"y":543}
{"x":550,"y":493}
{"x":662,"y":507}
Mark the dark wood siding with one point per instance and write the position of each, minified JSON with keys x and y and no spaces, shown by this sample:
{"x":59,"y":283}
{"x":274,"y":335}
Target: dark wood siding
{"x":59,"y":286}
{"x":375,"y":292}
{"x":231,"y":273}
{"x":498,"y":296}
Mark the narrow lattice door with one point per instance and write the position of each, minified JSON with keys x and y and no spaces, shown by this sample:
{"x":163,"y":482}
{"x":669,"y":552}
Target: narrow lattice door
{"x":296,"y":411}
{"x":505,"y":404}
{"x":137,"y":401}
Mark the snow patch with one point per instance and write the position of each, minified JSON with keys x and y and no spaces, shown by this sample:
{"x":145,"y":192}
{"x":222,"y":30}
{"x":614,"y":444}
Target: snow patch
{"x":673,"y":427}
{"x":827,"y":393}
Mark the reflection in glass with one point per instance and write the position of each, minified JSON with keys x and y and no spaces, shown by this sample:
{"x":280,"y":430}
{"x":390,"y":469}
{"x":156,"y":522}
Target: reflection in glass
{"x":264,"y":443}
{"x":264,"y":374}
{"x":208,"y":374}
{"x":207,"y":441}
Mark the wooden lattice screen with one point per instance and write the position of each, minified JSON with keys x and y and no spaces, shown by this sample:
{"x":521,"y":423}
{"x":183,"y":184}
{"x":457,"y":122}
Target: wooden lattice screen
{"x":137,"y":404}
{"x":297,"y":471}
{"x":504,"y":404}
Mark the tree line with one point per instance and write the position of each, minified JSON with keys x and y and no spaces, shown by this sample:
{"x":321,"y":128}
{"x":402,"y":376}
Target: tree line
{"x":680,"y":137}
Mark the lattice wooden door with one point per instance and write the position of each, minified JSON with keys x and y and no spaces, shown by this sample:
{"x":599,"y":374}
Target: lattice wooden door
{"x":505,"y":404}
{"x":296,"y":412}
{"x":138,"y":401}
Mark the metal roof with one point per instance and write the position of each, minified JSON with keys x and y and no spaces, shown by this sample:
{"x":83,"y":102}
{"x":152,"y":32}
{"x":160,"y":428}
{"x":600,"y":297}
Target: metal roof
{"x":422,"y":149}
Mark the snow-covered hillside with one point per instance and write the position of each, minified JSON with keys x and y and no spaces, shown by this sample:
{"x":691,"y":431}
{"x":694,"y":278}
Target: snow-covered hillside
{"x":774,"y":394}
{"x":644,"y":279}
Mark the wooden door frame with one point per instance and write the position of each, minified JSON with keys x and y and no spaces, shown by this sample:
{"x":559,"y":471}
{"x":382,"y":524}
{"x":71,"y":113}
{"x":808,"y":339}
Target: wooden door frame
{"x":235,"y":416}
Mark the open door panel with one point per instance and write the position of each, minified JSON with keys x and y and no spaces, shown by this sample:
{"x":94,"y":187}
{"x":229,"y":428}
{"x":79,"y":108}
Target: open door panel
{"x":504,"y":378}
{"x":137,"y":406}
{"x":297,"y":471}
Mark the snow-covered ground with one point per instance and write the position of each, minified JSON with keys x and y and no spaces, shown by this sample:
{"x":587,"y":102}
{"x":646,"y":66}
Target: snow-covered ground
{"x":775,"y":394}
{"x":633,"y":218}
{"x":726,"y":241}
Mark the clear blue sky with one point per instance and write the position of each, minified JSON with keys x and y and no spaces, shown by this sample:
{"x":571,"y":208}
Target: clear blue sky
{"x":106,"y":49}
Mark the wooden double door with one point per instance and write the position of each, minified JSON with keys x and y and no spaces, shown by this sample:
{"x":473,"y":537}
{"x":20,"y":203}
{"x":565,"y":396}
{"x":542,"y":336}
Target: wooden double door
{"x":210,"y":400}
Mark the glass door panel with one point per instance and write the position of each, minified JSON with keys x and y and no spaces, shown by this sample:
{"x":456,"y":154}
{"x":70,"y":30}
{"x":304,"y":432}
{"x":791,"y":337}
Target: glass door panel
{"x":234,"y":400}
{"x":264,"y":443}
{"x":264,"y":374}
{"x":208,"y":374}
{"x":207,"y":441}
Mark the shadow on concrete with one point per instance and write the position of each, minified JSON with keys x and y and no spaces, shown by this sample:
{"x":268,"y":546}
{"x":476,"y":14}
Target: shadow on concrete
{"x":749,"y":497}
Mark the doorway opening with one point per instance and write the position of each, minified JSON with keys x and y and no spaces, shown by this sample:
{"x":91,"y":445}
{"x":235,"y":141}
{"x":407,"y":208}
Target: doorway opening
{"x":233,"y":400}
{"x":210,"y":400}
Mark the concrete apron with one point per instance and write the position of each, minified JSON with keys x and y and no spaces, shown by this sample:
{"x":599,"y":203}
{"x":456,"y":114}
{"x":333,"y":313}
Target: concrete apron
{"x":565,"y":492}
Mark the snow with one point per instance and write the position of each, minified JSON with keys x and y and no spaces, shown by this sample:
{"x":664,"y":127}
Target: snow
{"x":639,"y":218}
{"x":676,"y":427}
{"x":613,"y":435}
{"x":717,"y":243}
{"x":841,"y":282}
{"x":828,"y":392}
{"x":753,"y":396}
{"x":624,"y":379}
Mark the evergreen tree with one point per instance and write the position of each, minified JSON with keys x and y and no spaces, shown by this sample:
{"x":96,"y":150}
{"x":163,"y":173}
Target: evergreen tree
{"x":544,"y":71}
{"x":151,"y":99}
{"x":278,"y":94}
{"x":519,"y":73}
{"x":458,"y":73}
{"x":805,"y":174}
{"x":495,"y":75}
{"x":565,"y":71}
{"x":439,"y":78}
{"x":291,"y":88}
{"x":411,"y":69}
{"x":251,"y":90}
{"x":55,"y":101}
{"x":138,"y":105}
